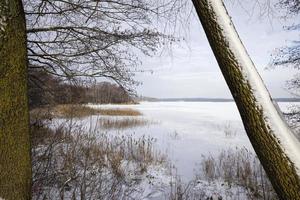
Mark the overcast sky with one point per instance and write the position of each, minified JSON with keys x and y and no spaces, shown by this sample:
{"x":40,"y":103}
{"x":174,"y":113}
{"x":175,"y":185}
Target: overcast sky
{"x":192,"y":70}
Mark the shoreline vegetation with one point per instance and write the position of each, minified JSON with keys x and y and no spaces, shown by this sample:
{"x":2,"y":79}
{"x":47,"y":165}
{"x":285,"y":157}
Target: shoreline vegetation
{"x":94,"y":164}
{"x":121,"y":124}
{"x":69,"y":162}
{"x":79,"y":111}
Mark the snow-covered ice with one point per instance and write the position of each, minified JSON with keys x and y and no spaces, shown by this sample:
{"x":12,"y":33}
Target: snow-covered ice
{"x":188,"y":130}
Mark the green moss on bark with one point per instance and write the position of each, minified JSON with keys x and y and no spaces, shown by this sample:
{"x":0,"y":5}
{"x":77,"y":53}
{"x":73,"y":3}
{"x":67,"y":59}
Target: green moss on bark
{"x":277,"y":165}
{"x":15,"y":163}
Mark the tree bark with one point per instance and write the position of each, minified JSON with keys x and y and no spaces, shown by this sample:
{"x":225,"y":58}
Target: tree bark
{"x":15,"y":162}
{"x":253,"y":101}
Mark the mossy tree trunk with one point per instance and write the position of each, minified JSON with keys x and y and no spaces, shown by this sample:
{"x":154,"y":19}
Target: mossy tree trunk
{"x":274,"y":158}
{"x":15,"y":162}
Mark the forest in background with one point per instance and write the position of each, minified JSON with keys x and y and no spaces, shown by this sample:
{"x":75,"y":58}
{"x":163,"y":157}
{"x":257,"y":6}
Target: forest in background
{"x":52,"y":90}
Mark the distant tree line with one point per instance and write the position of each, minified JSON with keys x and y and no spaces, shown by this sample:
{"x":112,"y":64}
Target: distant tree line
{"x":51,"y":90}
{"x":106,"y":92}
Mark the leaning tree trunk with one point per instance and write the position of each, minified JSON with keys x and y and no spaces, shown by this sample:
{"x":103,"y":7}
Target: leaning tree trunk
{"x":15,"y":163}
{"x":274,"y":143}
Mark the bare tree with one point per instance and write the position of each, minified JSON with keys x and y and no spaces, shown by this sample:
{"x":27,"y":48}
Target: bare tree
{"x":88,"y":38}
{"x":291,"y":6}
{"x":289,"y":56}
{"x":105,"y":92}
{"x":275,"y":145}
{"x":15,"y":163}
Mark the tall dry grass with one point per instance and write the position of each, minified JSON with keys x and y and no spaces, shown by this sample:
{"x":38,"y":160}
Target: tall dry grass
{"x":234,"y":174}
{"x":79,"y":111}
{"x":238,"y":167}
{"x":119,"y":112}
{"x":113,"y":123}
{"x":70,"y":164}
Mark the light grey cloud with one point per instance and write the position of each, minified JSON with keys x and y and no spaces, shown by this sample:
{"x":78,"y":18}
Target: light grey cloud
{"x":190,"y":70}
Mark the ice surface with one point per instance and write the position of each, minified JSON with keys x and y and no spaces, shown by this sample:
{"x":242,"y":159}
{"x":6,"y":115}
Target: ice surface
{"x":187,"y":130}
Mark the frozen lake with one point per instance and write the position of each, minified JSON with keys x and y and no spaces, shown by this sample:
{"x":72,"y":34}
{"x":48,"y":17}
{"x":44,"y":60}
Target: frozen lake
{"x":187,"y":130}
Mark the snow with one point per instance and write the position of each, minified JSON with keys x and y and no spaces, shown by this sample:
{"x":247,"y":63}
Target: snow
{"x":3,"y":19}
{"x":155,"y":184}
{"x":3,"y":23}
{"x":219,"y":189}
{"x":286,"y":139}
{"x":187,"y":130}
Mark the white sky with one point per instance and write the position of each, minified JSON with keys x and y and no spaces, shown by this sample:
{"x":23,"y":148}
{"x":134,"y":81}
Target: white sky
{"x":192,"y":71}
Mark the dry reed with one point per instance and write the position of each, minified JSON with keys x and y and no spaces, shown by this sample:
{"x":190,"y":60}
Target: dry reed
{"x":106,"y":123}
{"x":84,"y":111}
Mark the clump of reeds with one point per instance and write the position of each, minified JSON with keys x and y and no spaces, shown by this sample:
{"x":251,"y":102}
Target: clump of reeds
{"x":114,"y":123}
{"x":238,"y":167}
{"x":233,"y":174}
{"x":79,"y":111}
{"x":118,"y":112}
{"x":73,"y":110}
